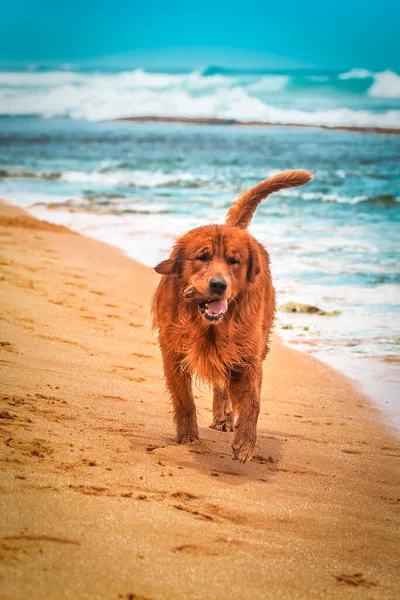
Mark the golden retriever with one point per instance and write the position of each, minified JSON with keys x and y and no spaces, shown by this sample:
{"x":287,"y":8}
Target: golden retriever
{"x":214,"y":308}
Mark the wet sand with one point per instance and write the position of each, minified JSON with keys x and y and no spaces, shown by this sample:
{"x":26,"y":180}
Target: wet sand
{"x":238,"y":123}
{"x":97,"y":500}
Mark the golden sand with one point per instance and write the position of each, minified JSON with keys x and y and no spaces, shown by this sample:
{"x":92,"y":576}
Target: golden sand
{"x":98,"y":501}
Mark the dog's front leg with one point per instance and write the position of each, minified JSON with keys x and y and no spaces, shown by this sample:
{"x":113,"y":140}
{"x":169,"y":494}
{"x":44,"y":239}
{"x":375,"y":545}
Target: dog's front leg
{"x":245,"y":387}
{"x":179,"y":383}
{"x":222,"y":410}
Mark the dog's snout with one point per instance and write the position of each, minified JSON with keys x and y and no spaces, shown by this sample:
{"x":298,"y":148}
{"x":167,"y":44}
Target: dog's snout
{"x":218,"y":285}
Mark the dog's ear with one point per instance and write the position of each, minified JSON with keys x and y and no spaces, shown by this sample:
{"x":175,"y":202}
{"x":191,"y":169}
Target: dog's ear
{"x":254,"y":265}
{"x":166,"y":267}
{"x":172,"y":265}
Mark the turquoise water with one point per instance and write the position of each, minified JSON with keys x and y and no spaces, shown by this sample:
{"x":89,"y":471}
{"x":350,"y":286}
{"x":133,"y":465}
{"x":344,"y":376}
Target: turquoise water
{"x":334,"y":243}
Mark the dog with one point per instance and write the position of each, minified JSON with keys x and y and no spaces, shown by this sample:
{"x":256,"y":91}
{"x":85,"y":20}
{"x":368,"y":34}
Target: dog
{"x":214,"y":309}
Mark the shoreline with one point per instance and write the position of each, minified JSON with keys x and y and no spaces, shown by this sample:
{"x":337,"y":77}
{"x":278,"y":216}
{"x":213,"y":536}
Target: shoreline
{"x":365,"y":372}
{"x":238,"y":123}
{"x":92,"y":479}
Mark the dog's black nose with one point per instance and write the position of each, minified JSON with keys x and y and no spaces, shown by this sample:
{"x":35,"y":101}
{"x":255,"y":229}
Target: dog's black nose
{"x":217,"y":285}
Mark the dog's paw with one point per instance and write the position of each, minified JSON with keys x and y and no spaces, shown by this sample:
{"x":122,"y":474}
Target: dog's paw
{"x":187,"y":439}
{"x":187,"y":435}
{"x":242,"y":448}
{"x":225,"y":424}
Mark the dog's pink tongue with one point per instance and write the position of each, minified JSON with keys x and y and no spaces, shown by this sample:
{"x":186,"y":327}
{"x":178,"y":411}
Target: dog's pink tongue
{"x":217,"y":306}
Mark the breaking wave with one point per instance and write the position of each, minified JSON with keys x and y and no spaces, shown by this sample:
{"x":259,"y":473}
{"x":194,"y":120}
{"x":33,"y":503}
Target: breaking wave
{"x":298,"y":98}
{"x":112,"y":176}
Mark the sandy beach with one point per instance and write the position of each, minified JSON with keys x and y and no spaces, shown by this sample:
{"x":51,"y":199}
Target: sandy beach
{"x":238,"y":123}
{"x":98,"y":501}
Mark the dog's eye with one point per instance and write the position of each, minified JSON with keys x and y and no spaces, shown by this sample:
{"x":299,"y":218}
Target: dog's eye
{"x":232,"y":260}
{"x":203,"y":257}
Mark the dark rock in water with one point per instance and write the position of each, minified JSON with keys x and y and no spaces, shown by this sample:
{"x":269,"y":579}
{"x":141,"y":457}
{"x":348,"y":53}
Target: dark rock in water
{"x":297,"y":307}
{"x":30,"y":175}
{"x":385,"y":200}
{"x":50,"y":176}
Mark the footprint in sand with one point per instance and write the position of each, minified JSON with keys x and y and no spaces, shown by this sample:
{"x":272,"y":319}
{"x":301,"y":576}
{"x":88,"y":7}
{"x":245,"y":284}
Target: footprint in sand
{"x":131,"y":596}
{"x":354,"y":579}
{"x":196,"y":513}
{"x":57,"y":302}
{"x":262,"y":460}
{"x":37,"y":448}
{"x":184,"y":496}
{"x":15,"y":548}
{"x":41,"y":538}
{"x":195,"y":550}
{"x":152,"y":448}
{"x":139,"y":355}
{"x":8,"y":347}
{"x":115,"y":398}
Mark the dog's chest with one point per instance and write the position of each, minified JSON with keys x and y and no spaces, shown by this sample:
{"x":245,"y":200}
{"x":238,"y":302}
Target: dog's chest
{"x":212,"y":355}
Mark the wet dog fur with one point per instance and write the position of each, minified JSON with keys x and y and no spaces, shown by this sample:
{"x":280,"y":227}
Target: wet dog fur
{"x":214,"y":309}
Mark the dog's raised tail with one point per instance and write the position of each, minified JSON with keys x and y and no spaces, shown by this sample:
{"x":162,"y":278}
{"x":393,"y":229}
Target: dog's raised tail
{"x":242,"y":210}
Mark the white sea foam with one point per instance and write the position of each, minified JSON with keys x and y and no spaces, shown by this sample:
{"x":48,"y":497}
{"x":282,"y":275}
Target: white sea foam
{"x":271,"y":83}
{"x":356,"y":74}
{"x":99,"y":96}
{"x":323,"y":197}
{"x":386,"y":85}
{"x":139,"y":178}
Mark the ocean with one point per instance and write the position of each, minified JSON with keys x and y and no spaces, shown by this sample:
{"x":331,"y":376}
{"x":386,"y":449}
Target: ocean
{"x":334,"y":244}
{"x":356,"y":97}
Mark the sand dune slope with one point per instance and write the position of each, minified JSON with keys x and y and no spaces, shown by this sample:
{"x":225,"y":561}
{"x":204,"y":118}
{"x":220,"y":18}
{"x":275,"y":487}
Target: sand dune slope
{"x":96,"y":499}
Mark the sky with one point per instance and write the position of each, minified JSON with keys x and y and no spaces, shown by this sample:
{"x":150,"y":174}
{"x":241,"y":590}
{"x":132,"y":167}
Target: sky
{"x":183,"y":34}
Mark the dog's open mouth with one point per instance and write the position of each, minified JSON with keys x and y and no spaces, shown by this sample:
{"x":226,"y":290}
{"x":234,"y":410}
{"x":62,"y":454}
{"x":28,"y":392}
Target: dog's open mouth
{"x":213,"y":310}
